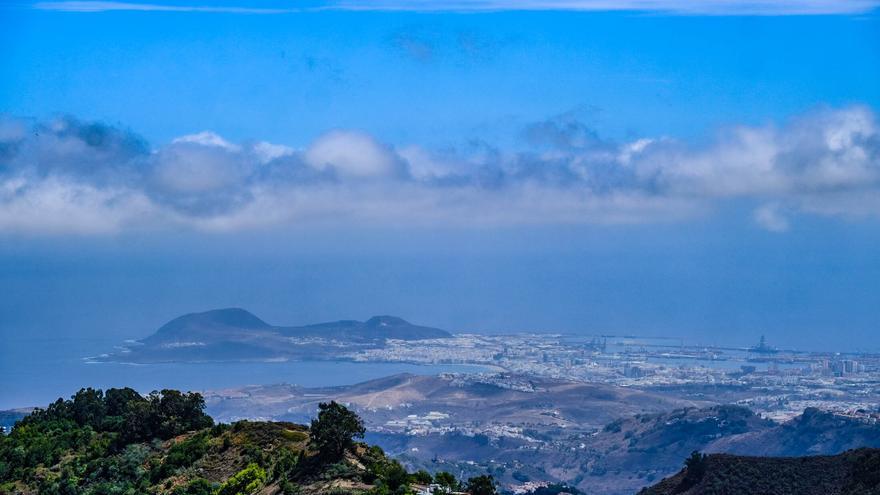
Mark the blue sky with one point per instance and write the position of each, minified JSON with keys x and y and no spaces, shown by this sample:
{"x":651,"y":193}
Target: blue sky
{"x":439,"y":78}
{"x":703,"y":169}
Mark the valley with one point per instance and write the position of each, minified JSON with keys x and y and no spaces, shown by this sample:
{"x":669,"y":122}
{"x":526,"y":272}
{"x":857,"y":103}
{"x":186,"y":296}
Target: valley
{"x":603,"y":439}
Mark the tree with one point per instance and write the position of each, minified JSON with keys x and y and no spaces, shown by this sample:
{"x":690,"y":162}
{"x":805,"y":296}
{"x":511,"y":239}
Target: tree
{"x":163,"y":415}
{"x":88,"y":407}
{"x":696,"y":465}
{"x":422,"y":477}
{"x":178,"y":412}
{"x":396,"y":476}
{"x":446,"y":479}
{"x":117,"y":399}
{"x":334,"y":430}
{"x":481,"y":485}
{"x":138,"y":423}
{"x":695,"y":470}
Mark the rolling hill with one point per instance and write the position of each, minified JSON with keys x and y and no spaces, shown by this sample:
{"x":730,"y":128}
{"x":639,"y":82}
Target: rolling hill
{"x":603,"y":439}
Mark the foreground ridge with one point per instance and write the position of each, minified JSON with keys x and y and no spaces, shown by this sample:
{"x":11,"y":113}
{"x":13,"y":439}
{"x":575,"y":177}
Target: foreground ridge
{"x":119,"y":442}
{"x":855,"y":472}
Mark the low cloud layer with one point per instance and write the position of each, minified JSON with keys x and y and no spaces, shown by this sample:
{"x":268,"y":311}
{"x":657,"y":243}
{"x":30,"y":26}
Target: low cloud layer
{"x":69,"y":176}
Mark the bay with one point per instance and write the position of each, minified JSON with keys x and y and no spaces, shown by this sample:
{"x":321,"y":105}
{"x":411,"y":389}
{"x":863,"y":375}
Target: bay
{"x":34,"y":372}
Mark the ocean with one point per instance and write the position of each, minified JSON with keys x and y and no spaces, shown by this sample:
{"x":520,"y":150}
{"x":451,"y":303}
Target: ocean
{"x":35,"y":372}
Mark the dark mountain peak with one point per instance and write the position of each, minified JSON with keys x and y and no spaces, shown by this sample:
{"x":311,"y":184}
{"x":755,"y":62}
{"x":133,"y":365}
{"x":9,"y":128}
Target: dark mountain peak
{"x":227,"y":317}
{"x":232,"y":317}
{"x":386,"y":321}
{"x":216,"y":319}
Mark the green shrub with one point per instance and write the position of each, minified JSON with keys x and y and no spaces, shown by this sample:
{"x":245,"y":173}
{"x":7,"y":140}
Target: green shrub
{"x":196,"y":487}
{"x":339,"y":470}
{"x":294,"y":436}
{"x":285,"y":465}
{"x":245,"y":482}
{"x":182,"y":454}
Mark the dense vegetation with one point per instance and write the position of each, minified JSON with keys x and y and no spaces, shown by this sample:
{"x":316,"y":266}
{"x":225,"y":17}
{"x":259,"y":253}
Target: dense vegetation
{"x":856,"y":472}
{"x":121,"y":443}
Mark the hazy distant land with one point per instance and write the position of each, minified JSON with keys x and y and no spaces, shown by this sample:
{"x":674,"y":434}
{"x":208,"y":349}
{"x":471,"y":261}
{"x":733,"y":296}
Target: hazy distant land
{"x":233,"y":334}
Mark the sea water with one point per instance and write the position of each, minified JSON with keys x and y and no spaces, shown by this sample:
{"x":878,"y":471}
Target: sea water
{"x":34,"y":372}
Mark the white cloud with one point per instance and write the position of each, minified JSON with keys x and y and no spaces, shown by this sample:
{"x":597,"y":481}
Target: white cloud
{"x":75,"y":176}
{"x":186,"y":166}
{"x":207,"y":138}
{"x":57,"y":206}
{"x":352,"y":154}
{"x":427,"y":165}
{"x":813,"y":155}
{"x":266,"y":152}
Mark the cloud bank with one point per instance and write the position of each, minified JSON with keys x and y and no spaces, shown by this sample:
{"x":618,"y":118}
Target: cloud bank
{"x":675,"y":7}
{"x":69,"y":176}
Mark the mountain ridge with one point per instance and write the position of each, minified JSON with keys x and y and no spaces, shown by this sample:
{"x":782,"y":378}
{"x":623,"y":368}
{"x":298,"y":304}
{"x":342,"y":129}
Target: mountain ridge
{"x":235,"y":334}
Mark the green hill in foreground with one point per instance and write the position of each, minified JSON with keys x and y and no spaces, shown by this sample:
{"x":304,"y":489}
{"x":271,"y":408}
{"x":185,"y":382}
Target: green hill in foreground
{"x":855,"y":472}
{"x":121,"y":443}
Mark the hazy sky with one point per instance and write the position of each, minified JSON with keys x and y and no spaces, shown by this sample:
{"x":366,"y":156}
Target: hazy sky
{"x":700,"y":169}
